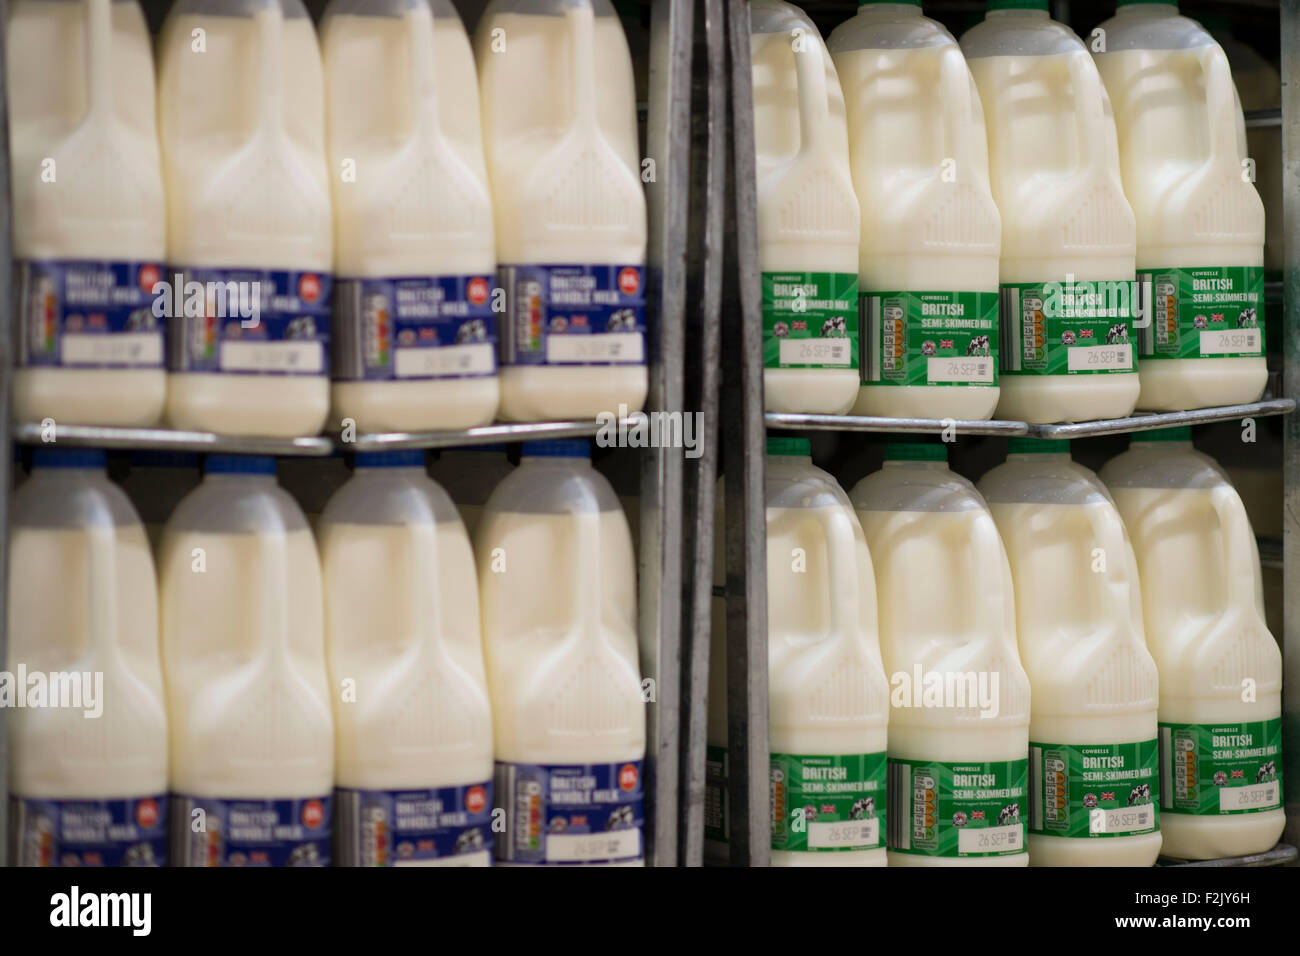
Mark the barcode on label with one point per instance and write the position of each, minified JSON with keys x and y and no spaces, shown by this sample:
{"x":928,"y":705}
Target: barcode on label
{"x":848,"y":833}
{"x":602,"y":347}
{"x":869,"y":321}
{"x":1121,"y":819}
{"x":958,"y":369}
{"x":1229,"y":341}
{"x":581,"y":847}
{"x":448,"y":360}
{"x":1248,"y":797}
{"x":1095,"y":358}
{"x":815,"y":352}
{"x":990,"y":839}
{"x":297,"y":358}
{"x":117,"y":348}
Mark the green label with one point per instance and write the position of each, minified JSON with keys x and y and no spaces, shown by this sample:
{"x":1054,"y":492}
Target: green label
{"x":810,"y":320}
{"x":1067,"y":328}
{"x":1213,"y":769}
{"x":929,"y":338}
{"x":1094,"y":790}
{"x":1203,"y":313}
{"x":958,"y":809}
{"x":715,"y":793}
{"x":827,"y":803}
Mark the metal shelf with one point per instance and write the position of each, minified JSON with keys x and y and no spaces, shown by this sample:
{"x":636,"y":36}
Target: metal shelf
{"x":1149,"y":421}
{"x":1258,"y":119}
{"x":867,"y":423}
{"x":484,"y":435}
{"x":95,"y":436}
{"x":1281,"y":855}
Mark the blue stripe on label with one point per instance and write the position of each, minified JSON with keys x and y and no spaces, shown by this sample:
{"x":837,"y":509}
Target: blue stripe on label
{"x":573,"y":315}
{"x":129,"y":832}
{"x":410,"y":827}
{"x":208,"y":831}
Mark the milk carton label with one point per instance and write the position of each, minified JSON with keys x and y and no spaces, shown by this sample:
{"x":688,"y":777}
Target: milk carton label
{"x":1213,"y":769}
{"x":828,"y":803}
{"x":250,"y":322}
{"x":573,"y":315}
{"x":88,"y":315}
{"x":1203,"y":313}
{"x":715,"y":794}
{"x":445,"y":825}
{"x":930,"y":338}
{"x":131,"y":832}
{"x":1067,"y":328}
{"x":958,"y":809}
{"x":810,"y":320}
{"x":421,"y":327}
{"x":571,"y":813}
{"x":1091,"y":791}
{"x":207,"y":831}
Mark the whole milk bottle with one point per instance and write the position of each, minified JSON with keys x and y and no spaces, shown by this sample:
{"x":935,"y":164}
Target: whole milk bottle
{"x":413,"y":754}
{"x":88,"y":744}
{"x":243,"y":643}
{"x":88,"y":217}
{"x":469,"y":474}
{"x":1093,"y":769}
{"x":1200,"y":220}
{"x":1220,"y":668}
{"x":557,"y":584}
{"x":560,"y":134}
{"x":414,"y":331}
{"x":241,"y":116}
{"x":930,"y":231}
{"x":807,"y":216}
{"x":1068,"y":234}
{"x":959,"y":719}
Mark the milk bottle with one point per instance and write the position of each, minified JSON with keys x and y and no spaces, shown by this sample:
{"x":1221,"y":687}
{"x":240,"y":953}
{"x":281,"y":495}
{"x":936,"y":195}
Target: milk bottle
{"x":470,"y":474}
{"x":1220,"y":669}
{"x":1094,"y":784}
{"x":958,"y":727}
{"x":156,"y":483}
{"x":413,"y":757}
{"x":88,"y":220}
{"x":1200,"y":220}
{"x":930,"y":230}
{"x":87,"y":725}
{"x":1068,"y":234}
{"x":559,"y":131}
{"x":807,"y":216}
{"x":557,"y":583}
{"x":828,"y":698}
{"x":248,"y":700}
{"x":241,"y":119}
{"x":414,"y":332}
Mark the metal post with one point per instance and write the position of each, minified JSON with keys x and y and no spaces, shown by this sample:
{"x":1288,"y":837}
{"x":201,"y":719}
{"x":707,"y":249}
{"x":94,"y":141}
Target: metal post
{"x":6,"y":415}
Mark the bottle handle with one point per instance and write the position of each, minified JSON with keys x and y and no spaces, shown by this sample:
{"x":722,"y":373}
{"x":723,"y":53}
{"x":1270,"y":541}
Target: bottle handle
{"x":101,"y":580}
{"x":814,"y":103}
{"x":99,"y":59}
{"x":995,"y":613}
{"x":1090,"y":118}
{"x":1115,"y":599}
{"x":1221,"y":105}
{"x":587,"y":578}
{"x":424,"y":597}
{"x":582,"y":49}
{"x":270,"y":46}
{"x":1239,"y":549}
{"x":424,"y":73}
{"x":958,"y":110}
{"x":842,"y":566}
{"x":270,"y":583}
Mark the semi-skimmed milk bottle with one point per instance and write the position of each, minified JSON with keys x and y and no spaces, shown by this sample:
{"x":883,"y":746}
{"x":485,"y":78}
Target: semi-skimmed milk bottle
{"x":413,"y":726}
{"x":1093,"y":769}
{"x":559,"y":131}
{"x":828,"y":700}
{"x":88,"y":217}
{"x":557,"y":583}
{"x":807,"y":216}
{"x":243,"y":643}
{"x":470,"y":474}
{"x":1220,"y":668}
{"x":241,"y":118}
{"x":959,"y":716}
{"x":414,"y":331}
{"x":87,"y":723}
{"x":1200,"y":221}
{"x":930,"y":230}
{"x":1068,"y":234}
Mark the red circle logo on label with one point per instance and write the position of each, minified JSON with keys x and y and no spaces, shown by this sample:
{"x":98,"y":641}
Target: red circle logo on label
{"x":629,"y":280}
{"x":309,"y":287}
{"x":477,"y":290}
{"x":313,"y":814}
{"x":146,"y":813}
{"x":149,"y":276}
{"x":627,"y":777}
{"x":475,"y":799}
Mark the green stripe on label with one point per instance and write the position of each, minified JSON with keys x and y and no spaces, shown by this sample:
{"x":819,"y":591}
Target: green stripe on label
{"x":810,"y":320}
{"x":929,"y":338}
{"x":1214,"y":312}
{"x":1068,"y":328}
{"x":1215,"y":769}
{"x":1094,"y":790}
{"x":958,"y":809}
{"x":828,"y":803}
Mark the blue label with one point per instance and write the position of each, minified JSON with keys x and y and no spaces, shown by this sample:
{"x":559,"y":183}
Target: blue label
{"x":131,"y":832}
{"x":574,"y":315}
{"x":414,"y":328}
{"x":571,"y":813}
{"x":88,"y":315}
{"x":412,"y":827}
{"x":248,"y":321}
{"x":251,"y":832}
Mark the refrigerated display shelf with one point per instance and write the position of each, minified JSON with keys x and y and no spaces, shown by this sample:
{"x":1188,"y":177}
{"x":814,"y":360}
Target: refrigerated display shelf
{"x":1281,"y":855}
{"x":865,"y":423}
{"x":1148,"y":421}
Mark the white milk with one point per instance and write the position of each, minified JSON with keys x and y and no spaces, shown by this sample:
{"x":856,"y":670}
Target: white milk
{"x":560,"y":135}
{"x":248,"y":699}
{"x":414,"y":332}
{"x":1093,"y":754}
{"x":88,"y":218}
{"x":960,"y":699}
{"x":1068,"y":234}
{"x":557,"y":584}
{"x":470,"y":474}
{"x":930,"y":230}
{"x":1220,"y":669}
{"x":156,"y":483}
{"x":807,"y":216}
{"x":1200,"y":220}
{"x":243,"y":147}
{"x":88,"y":767}
{"x":413,"y":758}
